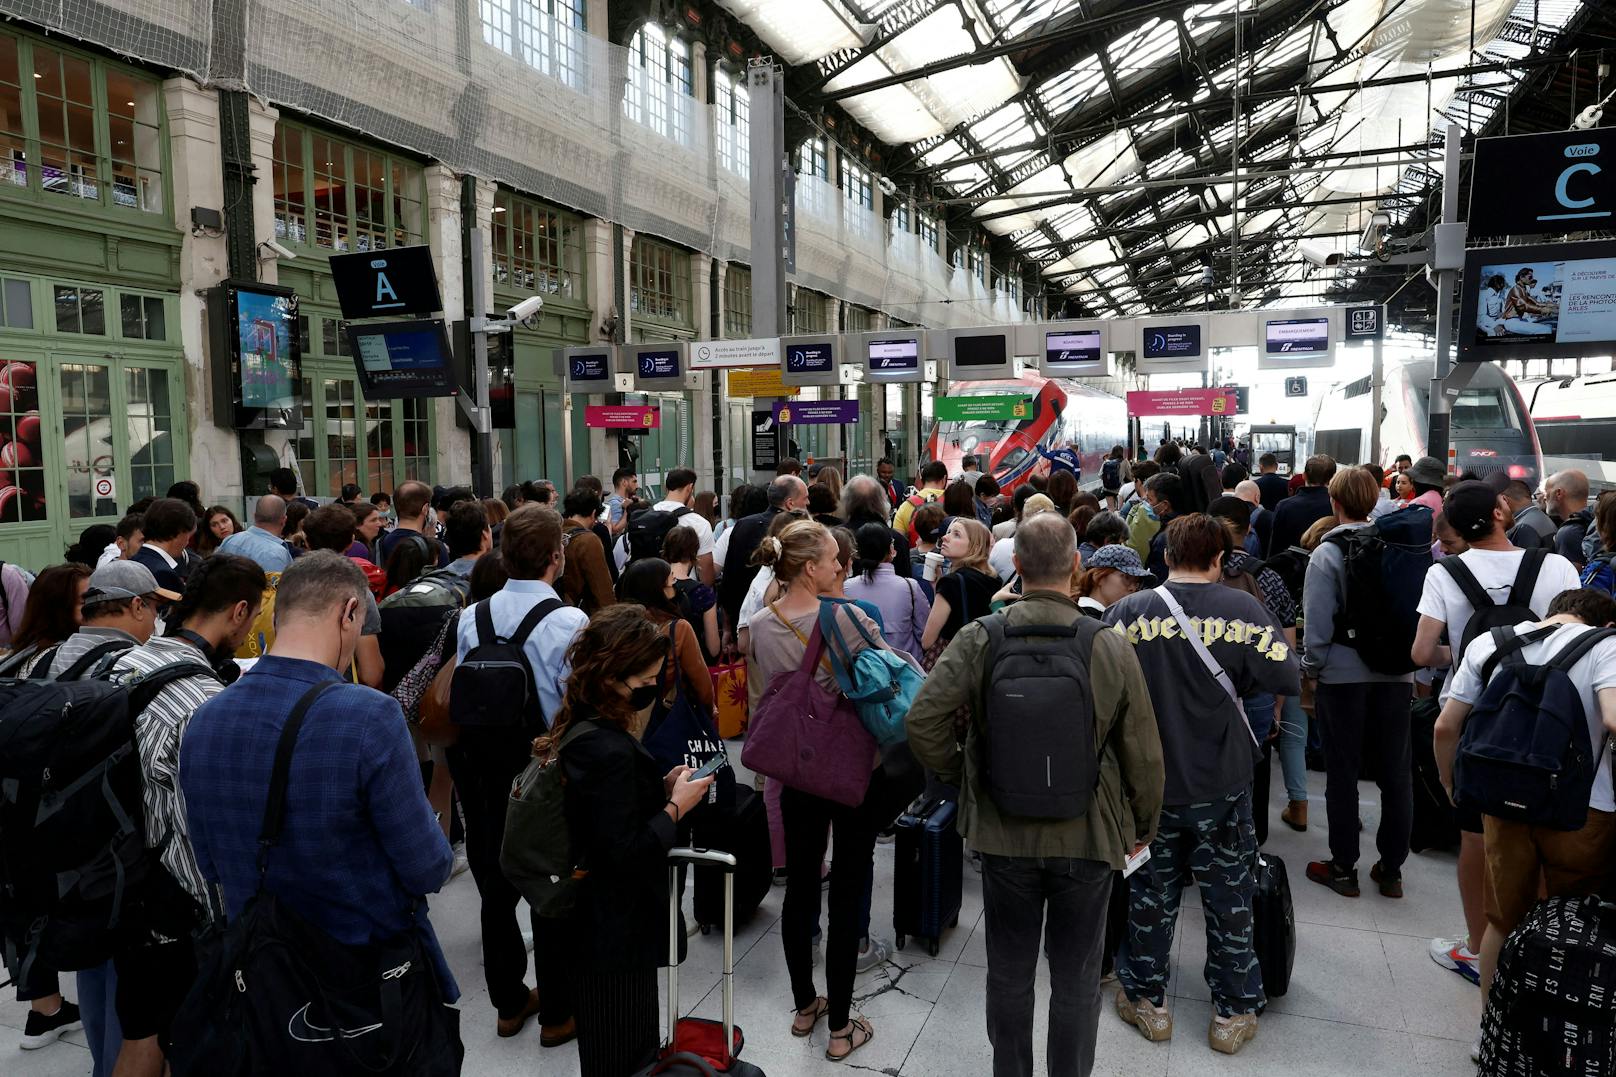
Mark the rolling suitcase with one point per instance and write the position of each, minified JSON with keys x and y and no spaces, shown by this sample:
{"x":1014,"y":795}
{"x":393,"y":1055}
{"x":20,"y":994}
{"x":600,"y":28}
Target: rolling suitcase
{"x":696,"y":1045}
{"x":1434,"y":824}
{"x":1273,"y":925}
{"x":744,"y":833}
{"x":927,"y":875}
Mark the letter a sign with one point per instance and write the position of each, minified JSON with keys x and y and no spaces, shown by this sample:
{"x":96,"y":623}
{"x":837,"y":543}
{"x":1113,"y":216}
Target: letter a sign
{"x":388,"y":283}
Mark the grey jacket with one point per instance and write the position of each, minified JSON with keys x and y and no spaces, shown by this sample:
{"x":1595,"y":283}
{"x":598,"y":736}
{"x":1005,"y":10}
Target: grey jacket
{"x":1332,"y":663}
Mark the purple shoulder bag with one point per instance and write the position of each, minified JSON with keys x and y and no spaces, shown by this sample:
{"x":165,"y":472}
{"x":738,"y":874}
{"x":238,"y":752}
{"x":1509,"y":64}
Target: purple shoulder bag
{"x":807,"y":737}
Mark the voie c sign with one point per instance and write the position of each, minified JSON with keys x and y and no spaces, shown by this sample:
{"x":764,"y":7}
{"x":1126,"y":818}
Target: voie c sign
{"x":1548,"y":184}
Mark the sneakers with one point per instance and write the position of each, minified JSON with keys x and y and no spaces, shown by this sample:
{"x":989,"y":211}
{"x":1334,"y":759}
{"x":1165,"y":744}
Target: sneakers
{"x":1455,"y":956}
{"x":1343,"y":881}
{"x":1154,"y":1023}
{"x":461,"y":866}
{"x":875,"y":953}
{"x":886,"y":837}
{"x":42,"y":1029}
{"x":1229,"y":1034}
{"x":778,"y":878}
{"x":1391,"y":882}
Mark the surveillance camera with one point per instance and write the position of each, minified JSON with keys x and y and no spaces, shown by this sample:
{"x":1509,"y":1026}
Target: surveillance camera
{"x":1316,"y":252}
{"x":1374,"y":233}
{"x":269,"y":249}
{"x":527,"y":308}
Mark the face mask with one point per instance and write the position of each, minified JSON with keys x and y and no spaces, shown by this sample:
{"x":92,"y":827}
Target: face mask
{"x":642,"y":697}
{"x":1150,"y":510}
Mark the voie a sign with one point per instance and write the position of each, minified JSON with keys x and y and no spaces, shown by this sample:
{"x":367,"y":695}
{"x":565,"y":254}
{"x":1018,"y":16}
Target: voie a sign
{"x":388,"y":283}
{"x":1549,"y":184}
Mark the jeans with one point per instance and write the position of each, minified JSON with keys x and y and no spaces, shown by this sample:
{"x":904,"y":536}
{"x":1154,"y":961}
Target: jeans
{"x":806,"y":819}
{"x":1293,"y":747}
{"x":1345,"y":712}
{"x":1015,"y":894}
{"x":98,"y":990}
{"x":484,"y":763}
{"x":1214,"y":843}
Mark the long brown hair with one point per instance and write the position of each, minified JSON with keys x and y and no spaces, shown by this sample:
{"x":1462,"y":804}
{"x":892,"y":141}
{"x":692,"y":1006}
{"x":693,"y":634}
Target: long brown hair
{"x":51,"y":612}
{"x":618,"y":641}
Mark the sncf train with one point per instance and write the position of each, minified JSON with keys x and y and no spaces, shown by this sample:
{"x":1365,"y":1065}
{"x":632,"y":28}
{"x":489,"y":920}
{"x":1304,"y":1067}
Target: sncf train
{"x":1066,"y":418}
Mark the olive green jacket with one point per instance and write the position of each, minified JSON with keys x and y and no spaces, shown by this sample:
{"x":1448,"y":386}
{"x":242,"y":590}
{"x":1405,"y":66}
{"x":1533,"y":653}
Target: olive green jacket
{"x":1127,"y":800}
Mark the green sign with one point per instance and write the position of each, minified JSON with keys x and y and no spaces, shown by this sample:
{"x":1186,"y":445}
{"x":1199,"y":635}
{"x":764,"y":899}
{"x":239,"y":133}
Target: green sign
{"x":988,"y":408}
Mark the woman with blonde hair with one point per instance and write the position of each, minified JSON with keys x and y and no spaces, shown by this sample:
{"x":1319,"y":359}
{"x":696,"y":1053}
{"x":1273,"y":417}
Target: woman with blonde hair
{"x":966,"y":593}
{"x":830,"y":478}
{"x":804,"y":559}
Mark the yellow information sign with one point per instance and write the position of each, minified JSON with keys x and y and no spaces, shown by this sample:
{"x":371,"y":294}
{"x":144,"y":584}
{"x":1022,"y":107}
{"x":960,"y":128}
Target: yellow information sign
{"x":758,"y":381}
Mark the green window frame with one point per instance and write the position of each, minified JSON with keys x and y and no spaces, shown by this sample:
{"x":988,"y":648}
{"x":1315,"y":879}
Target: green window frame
{"x":81,"y":132}
{"x":659,"y":282}
{"x":737,"y":302}
{"x":537,"y":248}
{"x":333,"y":194}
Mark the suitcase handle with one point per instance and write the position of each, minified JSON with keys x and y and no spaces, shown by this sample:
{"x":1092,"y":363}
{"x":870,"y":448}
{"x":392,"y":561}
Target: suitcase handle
{"x":715,"y":858}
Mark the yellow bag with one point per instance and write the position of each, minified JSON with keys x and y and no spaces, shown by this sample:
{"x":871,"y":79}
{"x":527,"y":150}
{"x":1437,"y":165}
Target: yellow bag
{"x":729,"y":694}
{"x":262,"y":635}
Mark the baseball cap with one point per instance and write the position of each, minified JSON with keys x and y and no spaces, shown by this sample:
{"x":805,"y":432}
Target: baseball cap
{"x":1117,"y":556}
{"x":117,"y":580}
{"x":1469,"y":508}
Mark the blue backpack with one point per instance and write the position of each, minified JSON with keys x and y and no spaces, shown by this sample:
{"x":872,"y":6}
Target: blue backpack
{"x":1599,"y":575}
{"x":1525,"y":754}
{"x":1383,"y":567}
{"x":881,"y":683}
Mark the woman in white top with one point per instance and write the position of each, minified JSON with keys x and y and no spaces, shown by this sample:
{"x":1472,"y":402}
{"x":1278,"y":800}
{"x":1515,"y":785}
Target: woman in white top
{"x":903,"y":605}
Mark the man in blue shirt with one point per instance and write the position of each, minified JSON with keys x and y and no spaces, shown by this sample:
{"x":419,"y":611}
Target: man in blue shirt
{"x":484,"y":761}
{"x":262,"y":541}
{"x":413,"y":501}
{"x":359,"y":848}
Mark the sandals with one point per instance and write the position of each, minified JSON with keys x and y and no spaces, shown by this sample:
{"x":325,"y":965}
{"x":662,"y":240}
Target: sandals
{"x":856,"y":1025}
{"x":820,"y":1007}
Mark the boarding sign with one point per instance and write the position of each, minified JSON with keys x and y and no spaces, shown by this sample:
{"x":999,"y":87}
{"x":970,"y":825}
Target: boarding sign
{"x":815,"y":412}
{"x":761,"y":351}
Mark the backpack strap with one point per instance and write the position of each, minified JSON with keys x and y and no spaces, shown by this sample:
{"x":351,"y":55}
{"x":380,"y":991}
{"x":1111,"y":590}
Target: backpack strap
{"x":1507,"y":647}
{"x":1573,"y":652}
{"x":41,"y":670}
{"x":484,"y":624}
{"x":13,"y":662}
{"x":1520,"y":593}
{"x":269,"y":832}
{"x":143,"y":688}
{"x":528,"y":624}
{"x":91,"y":657}
{"x":1469,"y":586}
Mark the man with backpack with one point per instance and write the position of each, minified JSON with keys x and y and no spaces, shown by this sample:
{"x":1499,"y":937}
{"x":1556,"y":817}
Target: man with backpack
{"x":511,"y":654}
{"x":1360,"y":596}
{"x":1490,"y":584}
{"x":1301,"y":510}
{"x":649,"y":528}
{"x":1559,"y":675}
{"x":413,"y":501}
{"x":120,"y":611}
{"x":158,"y":961}
{"x":933,"y":479}
{"x":1047,"y":856}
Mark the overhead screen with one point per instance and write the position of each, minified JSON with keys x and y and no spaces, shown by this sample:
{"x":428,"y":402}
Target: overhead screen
{"x":983,"y":354}
{"x":810,"y":360}
{"x":258,"y":371}
{"x":892,"y":357}
{"x":396,"y":359}
{"x":1297,"y":336}
{"x":1073,"y":350}
{"x":1171,"y":346}
{"x":587,"y":370}
{"x":655,"y":366}
{"x":1547,"y":301}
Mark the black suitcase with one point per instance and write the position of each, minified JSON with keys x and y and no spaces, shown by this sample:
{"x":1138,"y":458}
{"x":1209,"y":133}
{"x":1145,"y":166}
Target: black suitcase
{"x":1273,"y":925}
{"x":744,"y":833}
{"x":1552,"y":1009}
{"x":1434,"y":826}
{"x":928,"y":873}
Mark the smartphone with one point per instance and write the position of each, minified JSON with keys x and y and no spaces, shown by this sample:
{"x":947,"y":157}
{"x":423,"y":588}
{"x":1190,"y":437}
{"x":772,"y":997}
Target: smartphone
{"x":709,"y":768}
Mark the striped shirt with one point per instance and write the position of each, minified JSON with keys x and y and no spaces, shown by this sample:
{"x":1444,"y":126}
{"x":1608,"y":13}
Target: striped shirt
{"x":158,"y":730}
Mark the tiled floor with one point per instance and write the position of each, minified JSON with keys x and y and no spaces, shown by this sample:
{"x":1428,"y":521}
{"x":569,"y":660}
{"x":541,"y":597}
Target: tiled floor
{"x":1365,"y":997}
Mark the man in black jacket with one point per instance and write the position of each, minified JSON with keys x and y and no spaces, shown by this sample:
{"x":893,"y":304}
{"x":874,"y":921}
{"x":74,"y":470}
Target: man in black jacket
{"x":785,"y":492}
{"x":1306,"y":506}
{"x":1270,"y":481}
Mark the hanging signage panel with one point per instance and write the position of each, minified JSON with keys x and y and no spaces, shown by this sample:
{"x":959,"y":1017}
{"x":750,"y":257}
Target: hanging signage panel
{"x":1548,"y":301}
{"x":1171,"y":345}
{"x":763,"y":381}
{"x":765,"y":440}
{"x":386,"y":283}
{"x":1073,"y":350}
{"x":399,"y":359}
{"x":1546,"y":184}
{"x":815,"y":412}
{"x":997,"y":408}
{"x":622,"y":416}
{"x":656,"y":367}
{"x":810,"y":360}
{"x":1184,"y":402}
{"x":761,"y":351}
{"x":587,"y":370}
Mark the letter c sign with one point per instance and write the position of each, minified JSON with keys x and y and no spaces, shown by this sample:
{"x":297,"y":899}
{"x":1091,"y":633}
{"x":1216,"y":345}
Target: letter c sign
{"x":1562,"y":191}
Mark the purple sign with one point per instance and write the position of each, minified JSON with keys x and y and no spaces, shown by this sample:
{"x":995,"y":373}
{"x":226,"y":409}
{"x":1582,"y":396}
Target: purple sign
{"x":815,"y":412}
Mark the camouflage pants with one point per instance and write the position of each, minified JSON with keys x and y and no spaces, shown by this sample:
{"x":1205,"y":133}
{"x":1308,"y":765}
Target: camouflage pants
{"x":1214,"y":844}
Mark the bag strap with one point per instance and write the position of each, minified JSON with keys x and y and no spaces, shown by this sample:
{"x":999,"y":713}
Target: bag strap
{"x":1520,"y":593}
{"x":1213,"y":666}
{"x":13,"y":662}
{"x":915,"y":631}
{"x":1574,"y":651}
{"x":807,"y":643}
{"x":531,"y":621}
{"x":269,"y":831}
{"x":1469,"y":586}
{"x":91,"y":657}
{"x":41,"y":670}
{"x":144,"y":688}
{"x":485,"y":624}
{"x":1507,"y":647}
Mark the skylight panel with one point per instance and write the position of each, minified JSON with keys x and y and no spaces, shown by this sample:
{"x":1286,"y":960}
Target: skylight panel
{"x":1067,"y":90}
{"x":800,"y":31}
{"x":1143,"y":48}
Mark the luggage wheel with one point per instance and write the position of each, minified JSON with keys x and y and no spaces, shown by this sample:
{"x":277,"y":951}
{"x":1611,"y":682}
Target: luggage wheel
{"x":900,"y":941}
{"x":932,"y":946}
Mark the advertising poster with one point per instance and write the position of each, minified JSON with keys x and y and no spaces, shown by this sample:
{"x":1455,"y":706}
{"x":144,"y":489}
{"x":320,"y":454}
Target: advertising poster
{"x":264,"y":327}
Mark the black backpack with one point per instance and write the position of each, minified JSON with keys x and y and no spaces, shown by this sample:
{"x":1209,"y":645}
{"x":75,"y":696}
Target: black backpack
{"x":1485,"y":614}
{"x":1111,"y":475}
{"x":649,"y":527}
{"x":494,"y":684}
{"x":412,"y":616}
{"x":1290,"y":564}
{"x":275,"y":993}
{"x":73,"y":856}
{"x":1036,"y":767}
{"x":1382,"y":576}
{"x":1525,"y":754}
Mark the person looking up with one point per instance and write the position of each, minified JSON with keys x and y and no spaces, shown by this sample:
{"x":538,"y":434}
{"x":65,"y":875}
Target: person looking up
{"x":966,"y":593}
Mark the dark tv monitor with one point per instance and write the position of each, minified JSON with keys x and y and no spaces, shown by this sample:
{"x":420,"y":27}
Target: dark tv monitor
{"x":402,"y":359}
{"x":258,"y":372}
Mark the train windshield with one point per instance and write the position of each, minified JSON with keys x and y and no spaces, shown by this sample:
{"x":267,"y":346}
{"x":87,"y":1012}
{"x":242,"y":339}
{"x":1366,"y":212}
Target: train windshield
{"x":1272,"y":441}
{"x":1478,"y":407}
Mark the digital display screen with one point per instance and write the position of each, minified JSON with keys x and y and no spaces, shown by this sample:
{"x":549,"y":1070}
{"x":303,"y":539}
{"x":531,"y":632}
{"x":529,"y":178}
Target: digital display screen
{"x":266,"y":346}
{"x":590,"y":367}
{"x":990,"y":350}
{"x":1064,"y":346}
{"x":1297,"y":336}
{"x":400,"y":359}
{"x":894,"y":355}
{"x":817,"y":358}
{"x":1172,"y":342}
{"x":659,"y":364}
{"x":1523,"y":302}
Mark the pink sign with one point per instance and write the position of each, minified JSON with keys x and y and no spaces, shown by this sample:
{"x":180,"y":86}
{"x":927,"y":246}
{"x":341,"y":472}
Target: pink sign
{"x":623,"y":417}
{"x":1182,"y":402}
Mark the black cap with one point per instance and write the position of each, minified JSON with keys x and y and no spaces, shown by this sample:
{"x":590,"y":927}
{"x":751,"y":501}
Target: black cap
{"x":1469,"y":508}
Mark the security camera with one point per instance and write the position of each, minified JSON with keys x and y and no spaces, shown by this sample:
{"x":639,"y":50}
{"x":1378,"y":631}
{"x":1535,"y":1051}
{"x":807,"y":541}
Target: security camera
{"x":527,"y":309}
{"x":269,"y":249}
{"x":1374,"y":233}
{"x":1318,"y":253}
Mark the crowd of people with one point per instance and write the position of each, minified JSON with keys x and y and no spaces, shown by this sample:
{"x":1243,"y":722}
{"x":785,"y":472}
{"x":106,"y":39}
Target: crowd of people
{"x":422,"y":648}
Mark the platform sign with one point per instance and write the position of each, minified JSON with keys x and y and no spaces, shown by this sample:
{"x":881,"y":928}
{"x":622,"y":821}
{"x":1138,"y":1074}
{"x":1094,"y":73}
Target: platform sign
{"x":1171,"y":345}
{"x":387,"y":283}
{"x":587,"y":370}
{"x":656,"y":366}
{"x":1365,"y":323}
{"x":990,"y":408}
{"x":760,"y":351}
{"x":1543,"y":184}
{"x":1073,"y":350}
{"x":810,"y":360}
{"x":402,"y":359}
{"x":892,"y":357}
{"x":622,"y":416}
{"x":815,"y":412}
